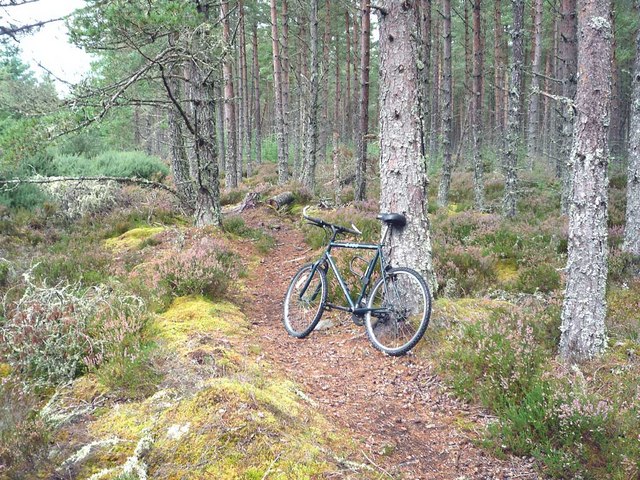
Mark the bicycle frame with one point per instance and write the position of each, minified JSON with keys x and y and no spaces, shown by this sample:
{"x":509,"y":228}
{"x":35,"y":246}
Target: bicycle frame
{"x":326,"y":257}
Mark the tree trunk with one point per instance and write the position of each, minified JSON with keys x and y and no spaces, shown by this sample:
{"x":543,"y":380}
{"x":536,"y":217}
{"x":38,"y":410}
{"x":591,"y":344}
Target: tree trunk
{"x":179,"y":158}
{"x":498,"y":71}
{"x":513,"y":127}
{"x":286,"y":82}
{"x":324,"y":86}
{"x":447,"y":108}
{"x":568,"y":57}
{"x":256,"y":88}
{"x":218,"y":92}
{"x":434,"y":131}
{"x":363,"y":118}
{"x":403,"y":177}
{"x":476,"y":126}
{"x":309,"y":170}
{"x":632,"y":227}
{"x":534,"y":101}
{"x":583,"y":312}
{"x":425,"y":73}
{"x":283,"y":172}
{"x":347,"y":97}
{"x":231,"y":174}
{"x":244,"y":81}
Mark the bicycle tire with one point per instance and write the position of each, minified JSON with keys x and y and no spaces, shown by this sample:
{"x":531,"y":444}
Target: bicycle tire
{"x":406,"y":316}
{"x":301,"y":317}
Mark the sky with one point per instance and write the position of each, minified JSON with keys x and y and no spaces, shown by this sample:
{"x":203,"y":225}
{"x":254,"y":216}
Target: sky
{"x":49,"y":45}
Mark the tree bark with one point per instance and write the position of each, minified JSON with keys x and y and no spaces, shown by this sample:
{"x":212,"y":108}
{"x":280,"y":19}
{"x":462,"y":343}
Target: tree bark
{"x":568,"y":57}
{"x":256,"y":99}
{"x":534,"y":100}
{"x":244,"y":81}
{"x":498,"y":71}
{"x":283,"y":172}
{"x":632,"y":227}
{"x":309,"y":170}
{"x":286,"y":81}
{"x":425,"y":72}
{"x":347,"y":97}
{"x":583,"y":313}
{"x":231,"y":155}
{"x":476,"y":127}
{"x":510,"y":161}
{"x":436,"y":51}
{"x":447,"y":108}
{"x":363,"y":118}
{"x":403,"y":176}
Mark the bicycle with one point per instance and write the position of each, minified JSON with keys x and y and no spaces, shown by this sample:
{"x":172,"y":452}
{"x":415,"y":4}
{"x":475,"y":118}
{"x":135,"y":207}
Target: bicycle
{"x":396,"y":310}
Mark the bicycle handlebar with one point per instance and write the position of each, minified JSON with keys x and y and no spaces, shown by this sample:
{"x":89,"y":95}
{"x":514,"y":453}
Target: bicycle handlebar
{"x":321,"y":223}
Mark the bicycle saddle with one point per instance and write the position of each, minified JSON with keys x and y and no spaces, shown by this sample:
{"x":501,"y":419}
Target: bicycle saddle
{"x":395,"y":219}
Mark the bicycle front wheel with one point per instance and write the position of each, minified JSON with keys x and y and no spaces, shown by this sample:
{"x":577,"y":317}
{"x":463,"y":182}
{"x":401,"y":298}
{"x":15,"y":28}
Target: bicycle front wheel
{"x":304,"y":301}
{"x":402,"y":304}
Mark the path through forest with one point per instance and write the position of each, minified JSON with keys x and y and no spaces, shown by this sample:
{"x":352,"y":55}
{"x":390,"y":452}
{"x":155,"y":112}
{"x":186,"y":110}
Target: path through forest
{"x":397,"y":408}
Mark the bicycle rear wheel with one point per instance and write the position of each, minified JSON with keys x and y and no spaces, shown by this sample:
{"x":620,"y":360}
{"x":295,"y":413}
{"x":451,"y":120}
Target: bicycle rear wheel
{"x":304,"y":301}
{"x":405,"y":308}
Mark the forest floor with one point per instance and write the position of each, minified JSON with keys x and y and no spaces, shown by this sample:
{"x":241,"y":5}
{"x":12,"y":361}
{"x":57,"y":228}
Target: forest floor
{"x":398,"y":408}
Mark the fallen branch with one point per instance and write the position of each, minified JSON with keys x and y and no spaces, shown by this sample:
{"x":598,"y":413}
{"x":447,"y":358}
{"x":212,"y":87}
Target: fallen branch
{"x":251,"y":200}
{"x":125,"y":180}
{"x":279,"y":201}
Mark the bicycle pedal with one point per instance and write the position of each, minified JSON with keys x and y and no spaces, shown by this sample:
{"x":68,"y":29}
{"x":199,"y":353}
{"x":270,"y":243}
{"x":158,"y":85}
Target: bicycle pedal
{"x":357,"y":319}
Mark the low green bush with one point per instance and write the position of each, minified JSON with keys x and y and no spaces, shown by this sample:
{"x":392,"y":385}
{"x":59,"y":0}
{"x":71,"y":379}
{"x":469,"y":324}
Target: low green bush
{"x":236,"y":226}
{"x":537,"y":278}
{"x":112,"y":163}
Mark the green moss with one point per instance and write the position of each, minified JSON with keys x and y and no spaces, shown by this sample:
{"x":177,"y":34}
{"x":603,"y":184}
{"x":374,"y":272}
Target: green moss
{"x":5,"y":370}
{"x":506,"y":270}
{"x":132,"y":238}
{"x":242,"y":429}
{"x":192,"y":315}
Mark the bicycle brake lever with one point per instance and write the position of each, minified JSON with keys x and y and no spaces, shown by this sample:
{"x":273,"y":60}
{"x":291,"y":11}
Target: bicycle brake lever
{"x":356,"y":229}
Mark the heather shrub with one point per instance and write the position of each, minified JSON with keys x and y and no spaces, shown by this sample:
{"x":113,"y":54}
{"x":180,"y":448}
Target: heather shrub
{"x":205,"y":268}
{"x":24,"y":436}
{"x":53,"y":334}
{"x":537,"y":278}
{"x":463,"y":271}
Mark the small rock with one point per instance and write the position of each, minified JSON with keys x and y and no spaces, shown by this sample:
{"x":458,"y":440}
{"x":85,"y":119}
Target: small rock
{"x":324,"y":325}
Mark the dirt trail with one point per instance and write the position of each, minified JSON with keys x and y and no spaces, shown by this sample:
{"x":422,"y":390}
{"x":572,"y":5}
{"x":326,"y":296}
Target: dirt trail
{"x":397,"y":407}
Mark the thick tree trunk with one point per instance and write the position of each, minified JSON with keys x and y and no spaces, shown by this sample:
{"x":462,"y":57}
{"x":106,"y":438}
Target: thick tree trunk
{"x":256,"y":96}
{"x":568,"y":54}
{"x":434,"y":131}
{"x":510,"y":161}
{"x":424,"y":74}
{"x":231,"y":155}
{"x":203,"y":164}
{"x":363,"y":117}
{"x":632,"y":227}
{"x":476,"y":126}
{"x":534,"y":101}
{"x":583,"y":312}
{"x":403,"y":177}
{"x":283,"y":172}
{"x":447,"y":108}
{"x":309,"y":170}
